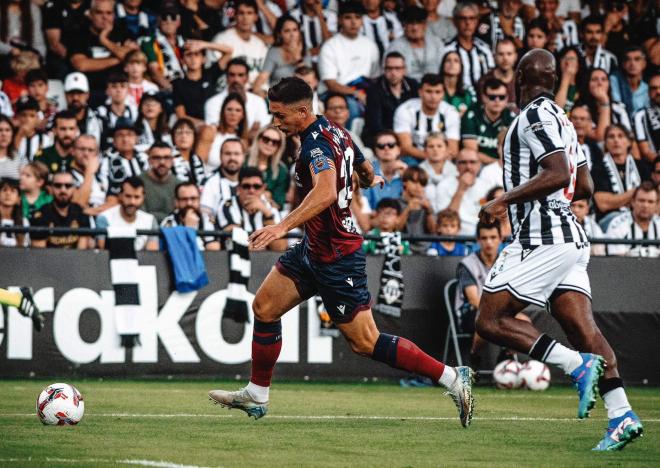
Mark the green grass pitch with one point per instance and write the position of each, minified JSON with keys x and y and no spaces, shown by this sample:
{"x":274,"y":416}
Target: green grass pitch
{"x":172,"y":424}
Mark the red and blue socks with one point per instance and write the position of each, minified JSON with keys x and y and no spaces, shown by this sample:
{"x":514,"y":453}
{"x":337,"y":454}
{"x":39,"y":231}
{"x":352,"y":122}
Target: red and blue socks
{"x":266,"y":347}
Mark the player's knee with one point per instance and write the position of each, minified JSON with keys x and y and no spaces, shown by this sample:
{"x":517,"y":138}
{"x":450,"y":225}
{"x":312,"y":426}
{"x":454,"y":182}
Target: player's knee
{"x":363,"y":345}
{"x":261,"y":309}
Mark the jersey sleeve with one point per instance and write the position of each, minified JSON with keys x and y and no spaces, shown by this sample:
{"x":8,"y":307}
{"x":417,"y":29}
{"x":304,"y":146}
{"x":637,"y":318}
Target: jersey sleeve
{"x":402,"y":123}
{"x":542,"y":133}
{"x":452,"y":124}
{"x":639,"y":127}
{"x":581,"y":159}
{"x":468,"y":126}
{"x":318,"y":157}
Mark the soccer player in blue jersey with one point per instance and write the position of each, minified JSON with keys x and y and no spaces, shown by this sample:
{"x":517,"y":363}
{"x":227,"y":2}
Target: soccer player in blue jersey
{"x":328,"y":261}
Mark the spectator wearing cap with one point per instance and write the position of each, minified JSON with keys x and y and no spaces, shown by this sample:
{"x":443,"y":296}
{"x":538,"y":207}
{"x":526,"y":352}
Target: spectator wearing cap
{"x":11,"y":214}
{"x":237,"y":75}
{"x":348,"y":60}
{"x":64,"y":22}
{"x":135,"y":18}
{"x":37,"y":87}
{"x":34,"y":177}
{"x":191,"y":92}
{"x":89,"y":192}
{"x":187,"y":213}
{"x":100,"y":47}
{"x":244,"y":42}
{"x":418,"y":117}
{"x":164,"y":49}
{"x":379,"y":26}
{"x":29,"y":139}
{"x":159,"y":181}
{"x":10,"y":162}
{"x":475,"y":54}
{"x":122,"y":160}
{"x":135,"y":66}
{"x":76,"y":92}
{"x":61,"y":212}
{"x":117,"y":105}
{"x":129,"y":215}
{"x":58,"y":157}
{"x":422,"y":49}
{"x":647,"y":123}
{"x":437,"y":24}
{"x":318,"y":24}
{"x":391,"y":89}
{"x":151,"y":122}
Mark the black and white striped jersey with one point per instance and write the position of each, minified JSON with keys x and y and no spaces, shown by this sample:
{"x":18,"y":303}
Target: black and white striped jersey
{"x":311,"y":26}
{"x":647,"y":127}
{"x":476,"y":61}
{"x":603,"y":59}
{"x":540,"y":130}
{"x":230,"y":212}
{"x":29,"y":146}
{"x":108,"y":120}
{"x":115,"y":168}
{"x":490,"y":29}
{"x":568,"y":36}
{"x":410,"y":118}
{"x":381,"y":30}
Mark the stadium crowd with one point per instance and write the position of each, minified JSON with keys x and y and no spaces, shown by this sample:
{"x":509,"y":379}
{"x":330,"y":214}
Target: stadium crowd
{"x":146,"y":112}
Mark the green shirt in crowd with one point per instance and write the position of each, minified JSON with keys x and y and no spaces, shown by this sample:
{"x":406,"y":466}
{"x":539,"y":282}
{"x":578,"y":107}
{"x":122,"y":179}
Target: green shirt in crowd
{"x":53,"y":160}
{"x":43,"y":199}
{"x":375,"y":247}
{"x":476,"y":126}
{"x":463,"y":102}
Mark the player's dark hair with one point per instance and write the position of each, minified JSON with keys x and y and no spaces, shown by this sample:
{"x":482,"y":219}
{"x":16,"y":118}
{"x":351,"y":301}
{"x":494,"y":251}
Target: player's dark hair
{"x":591,"y":19}
{"x":117,"y":77}
{"x":389,"y":203}
{"x":38,"y":74}
{"x":334,"y":95}
{"x":495,"y":224}
{"x":133,"y":181}
{"x":185,"y":183}
{"x":414,"y":14}
{"x":249,"y":171}
{"x":493,"y":83}
{"x":248,"y":3}
{"x":432,"y":79}
{"x":351,"y":6}
{"x":646,"y":186}
{"x":290,"y":90}
{"x":240,"y":62}
{"x":66,"y":114}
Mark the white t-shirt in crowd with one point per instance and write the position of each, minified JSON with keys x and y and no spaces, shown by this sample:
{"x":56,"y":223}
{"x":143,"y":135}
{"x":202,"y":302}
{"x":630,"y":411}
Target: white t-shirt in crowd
{"x":253,"y":51}
{"x":216,"y":189}
{"x":255,"y":108}
{"x":213,"y":161}
{"x":143,"y":220}
{"x":409,"y":118}
{"x":345,"y":60}
{"x":491,"y":175}
{"x":436,"y":180}
{"x":470,"y":205}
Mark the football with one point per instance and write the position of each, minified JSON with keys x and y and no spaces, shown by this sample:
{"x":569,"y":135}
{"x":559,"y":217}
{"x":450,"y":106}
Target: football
{"x":535,"y":375}
{"x":507,"y":374}
{"x":60,"y":404}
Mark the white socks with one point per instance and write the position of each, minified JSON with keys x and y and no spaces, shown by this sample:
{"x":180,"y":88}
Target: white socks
{"x":566,"y":359}
{"x":616,"y":403}
{"x":258,"y":393}
{"x":448,"y":377}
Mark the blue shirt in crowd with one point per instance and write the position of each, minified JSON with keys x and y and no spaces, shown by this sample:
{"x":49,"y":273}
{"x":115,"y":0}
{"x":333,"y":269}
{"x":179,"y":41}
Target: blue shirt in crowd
{"x":391,"y":189}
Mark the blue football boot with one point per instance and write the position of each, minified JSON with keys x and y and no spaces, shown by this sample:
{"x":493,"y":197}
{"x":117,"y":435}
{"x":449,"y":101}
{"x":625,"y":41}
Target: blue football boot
{"x":585,"y":378}
{"x":620,"y":431}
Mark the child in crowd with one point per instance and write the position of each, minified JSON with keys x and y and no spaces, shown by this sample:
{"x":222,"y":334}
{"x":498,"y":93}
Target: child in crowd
{"x":387,"y":220}
{"x":34,"y":176}
{"x":117,"y":105}
{"x":10,"y":214}
{"x":135,"y":66}
{"x":37,"y":88}
{"x":29,"y":139}
{"x":448,"y":224}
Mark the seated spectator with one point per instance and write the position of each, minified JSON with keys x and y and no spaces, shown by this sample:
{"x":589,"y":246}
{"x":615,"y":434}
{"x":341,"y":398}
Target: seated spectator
{"x":37,"y":86}
{"x":580,"y":209}
{"x":63,"y":24}
{"x":616,"y":176}
{"x":128,"y":214}
{"x":151,"y":122}
{"x":191,"y":92}
{"x":10,"y":160}
{"x":222,"y":184}
{"x":135,"y":67}
{"x":318,"y":24}
{"x":242,"y":39}
{"x":21,"y":27}
{"x":34,"y":177}
{"x":437,"y":165}
{"x":76,"y":92}
{"x":390,"y":89}
{"x":440,"y":26}
{"x":388,"y":165}
{"x":266,"y":155}
{"x":417,"y":214}
{"x":482,"y":123}
{"x":232,"y":125}
{"x":387,"y":220}
{"x":159,"y":181}
{"x":164,"y":50}
{"x":348,"y":60}
{"x":563,"y":31}
{"x":268,"y":13}
{"x":537,"y":36}
{"x":286,"y":54}
{"x":447,"y":224}
{"x":503,"y":24}
{"x":136,"y":19}
{"x":641,"y":222}
{"x":336,"y":110}
{"x":628,"y":85}
{"x":237,"y":80}
{"x":187,"y":164}
{"x":456,"y":92}
{"x":249,"y":208}
{"x":309,"y":76}
{"x":117,"y":105}
{"x":380,"y":26}
{"x":647,"y":123}
{"x":90,"y":192}
{"x":11,"y":214}
{"x":420,"y":47}
{"x":122,"y":160}
{"x":506,"y":58}
{"x":581,"y":119}
{"x":592,"y":29}
{"x":475,"y":54}
{"x":464,"y":192}
{"x":61,"y":212}
{"x":19,"y":66}
{"x":187,"y":213}
{"x":29,"y":139}
{"x":59,"y":156}
{"x":416,"y":118}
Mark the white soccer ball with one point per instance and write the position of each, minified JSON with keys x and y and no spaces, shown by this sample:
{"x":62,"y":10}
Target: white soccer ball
{"x":535,"y":375}
{"x":60,"y":404}
{"x":507,"y":374}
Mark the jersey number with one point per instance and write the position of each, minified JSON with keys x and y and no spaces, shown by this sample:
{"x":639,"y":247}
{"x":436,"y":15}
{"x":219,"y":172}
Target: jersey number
{"x":346,"y":173}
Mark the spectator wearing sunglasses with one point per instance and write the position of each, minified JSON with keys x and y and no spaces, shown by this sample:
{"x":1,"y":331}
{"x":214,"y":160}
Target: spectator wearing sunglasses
{"x":483,"y":122}
{"x":61,"y":212}
{"x":387,"y":164}
{"x":266,"y":155}
{"x":249,"y":208}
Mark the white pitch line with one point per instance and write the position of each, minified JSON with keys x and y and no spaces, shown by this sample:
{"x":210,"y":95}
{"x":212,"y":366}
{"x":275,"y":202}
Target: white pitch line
{"x":327,"y":417}
{"x":152,"y":463}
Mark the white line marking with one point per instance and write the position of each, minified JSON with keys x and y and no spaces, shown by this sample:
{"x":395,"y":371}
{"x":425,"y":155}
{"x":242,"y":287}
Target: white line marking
{"x":154,"y":463}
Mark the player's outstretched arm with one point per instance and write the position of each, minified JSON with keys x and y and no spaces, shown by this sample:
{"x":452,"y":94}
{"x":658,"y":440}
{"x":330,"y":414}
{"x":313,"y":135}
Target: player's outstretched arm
{"x":584,"y":184}
{"x":554,"y":176}
{"x":367,"y":176}
{"x":322,"y":195}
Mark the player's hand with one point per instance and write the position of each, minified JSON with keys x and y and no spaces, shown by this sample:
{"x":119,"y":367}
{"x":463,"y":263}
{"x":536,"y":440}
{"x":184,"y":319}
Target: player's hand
{"x":494,"y":209}
{"x":261,"y":238}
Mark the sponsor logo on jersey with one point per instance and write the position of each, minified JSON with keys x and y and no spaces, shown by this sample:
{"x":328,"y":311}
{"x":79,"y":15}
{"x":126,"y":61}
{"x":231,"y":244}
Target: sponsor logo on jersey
{"x":537,"y":126}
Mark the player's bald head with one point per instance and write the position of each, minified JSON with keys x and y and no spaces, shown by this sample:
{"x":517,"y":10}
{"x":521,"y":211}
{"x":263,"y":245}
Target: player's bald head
{"x":537,"y":68}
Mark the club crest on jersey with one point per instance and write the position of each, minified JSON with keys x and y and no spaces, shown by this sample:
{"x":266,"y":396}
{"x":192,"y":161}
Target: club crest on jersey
{"x":537,"y":126}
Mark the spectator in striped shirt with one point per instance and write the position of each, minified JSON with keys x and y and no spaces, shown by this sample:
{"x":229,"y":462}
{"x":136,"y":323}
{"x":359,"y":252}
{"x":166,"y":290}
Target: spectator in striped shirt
{"x":564,"y":32}
{"x":647,"y":123}
{"x":593,"y":35}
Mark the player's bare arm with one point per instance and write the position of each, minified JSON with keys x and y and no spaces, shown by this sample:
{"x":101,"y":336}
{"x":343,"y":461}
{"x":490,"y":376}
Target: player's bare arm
{"x":367,"y":176}
{"x":554,"y":176}
{"x":322,"y":195}
{"x":584,"y":184}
